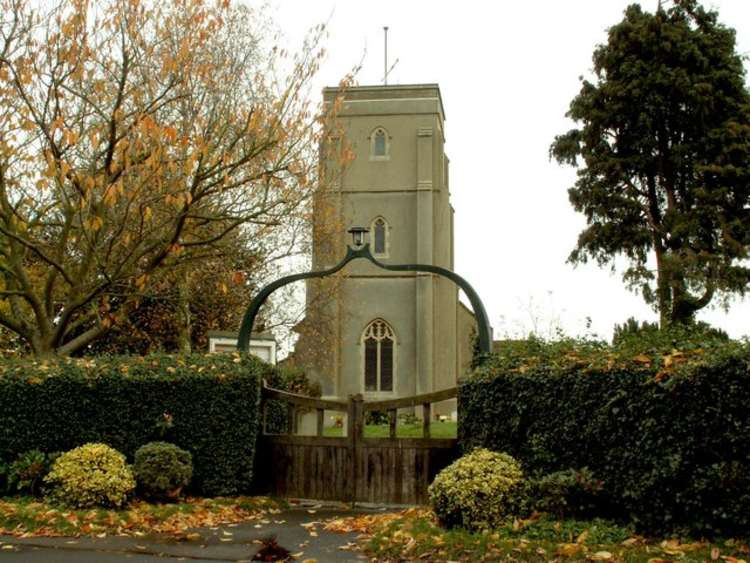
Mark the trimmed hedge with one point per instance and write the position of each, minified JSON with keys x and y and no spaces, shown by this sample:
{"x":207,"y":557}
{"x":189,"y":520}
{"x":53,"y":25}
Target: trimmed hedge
{"x":667,"y":433}
{"x":207,"y":405}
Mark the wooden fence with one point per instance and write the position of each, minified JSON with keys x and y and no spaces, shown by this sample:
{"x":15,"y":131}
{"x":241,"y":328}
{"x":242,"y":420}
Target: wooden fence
{"x":352,"y":468}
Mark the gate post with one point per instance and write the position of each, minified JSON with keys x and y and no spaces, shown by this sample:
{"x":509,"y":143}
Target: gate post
{"x":354,"y":432}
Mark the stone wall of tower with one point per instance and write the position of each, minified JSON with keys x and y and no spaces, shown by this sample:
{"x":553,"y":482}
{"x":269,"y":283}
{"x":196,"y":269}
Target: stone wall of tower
{"x":410,"y":190}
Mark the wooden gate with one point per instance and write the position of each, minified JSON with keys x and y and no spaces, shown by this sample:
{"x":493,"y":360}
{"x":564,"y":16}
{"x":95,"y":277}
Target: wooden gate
{"x":352,"y":468}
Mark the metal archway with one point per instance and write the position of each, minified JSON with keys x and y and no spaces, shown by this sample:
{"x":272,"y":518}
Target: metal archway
{"x":243,"y":341}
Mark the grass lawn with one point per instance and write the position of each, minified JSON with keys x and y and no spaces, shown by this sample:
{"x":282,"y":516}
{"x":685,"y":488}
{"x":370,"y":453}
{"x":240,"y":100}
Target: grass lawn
{"x":437,"y":430}
{"x":414,"y":535}
{"x":29,"y":516}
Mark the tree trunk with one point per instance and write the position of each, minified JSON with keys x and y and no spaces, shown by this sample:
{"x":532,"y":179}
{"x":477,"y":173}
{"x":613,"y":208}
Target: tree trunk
{"x":685,"y":305}
{"x":663,"y":291}
{"x":183,"y":314}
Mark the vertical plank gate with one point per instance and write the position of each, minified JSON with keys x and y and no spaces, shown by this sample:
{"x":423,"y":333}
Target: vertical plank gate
{"x":352,"y":468}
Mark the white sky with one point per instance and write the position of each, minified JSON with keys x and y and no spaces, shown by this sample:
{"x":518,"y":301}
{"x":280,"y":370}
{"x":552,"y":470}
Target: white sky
{"x":507,"y":72}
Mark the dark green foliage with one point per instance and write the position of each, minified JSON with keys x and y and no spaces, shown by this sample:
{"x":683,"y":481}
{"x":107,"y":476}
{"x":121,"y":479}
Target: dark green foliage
{"x":631,"y":328}
{"x":477,"y":356}
{"x":633,"y":335}
{"x":26,"y":473}
{"x":162,"y":469}
{"x":597,"y":530}
{"x":207,"y":405}
{"x":376,"y":418}
{"x":666,"y":431}
{"x":566,"y":494}
{"x":662,"y":143}
{"x":4,"y":468}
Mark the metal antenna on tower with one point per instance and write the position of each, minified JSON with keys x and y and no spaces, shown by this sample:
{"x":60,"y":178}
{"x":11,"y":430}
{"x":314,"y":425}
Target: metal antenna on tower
{"x":385,"y":59}
{"x":386,"y":70}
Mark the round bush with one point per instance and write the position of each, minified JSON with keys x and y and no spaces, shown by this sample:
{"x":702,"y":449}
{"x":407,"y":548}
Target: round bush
{"x":477,"y":491}
{"x":90,"y":475}
{"x":161,"y":469}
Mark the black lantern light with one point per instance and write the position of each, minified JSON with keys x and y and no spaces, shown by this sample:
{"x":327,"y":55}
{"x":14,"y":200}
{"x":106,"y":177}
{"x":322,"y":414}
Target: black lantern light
{"x":358,"y":235}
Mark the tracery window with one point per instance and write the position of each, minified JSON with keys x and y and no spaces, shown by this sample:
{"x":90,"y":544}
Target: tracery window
{"x":378,"y":340}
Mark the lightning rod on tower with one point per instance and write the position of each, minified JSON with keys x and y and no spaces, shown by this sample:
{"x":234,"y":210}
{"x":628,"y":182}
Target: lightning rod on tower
{"x":386,"y":70}
{"x":385,"y":62}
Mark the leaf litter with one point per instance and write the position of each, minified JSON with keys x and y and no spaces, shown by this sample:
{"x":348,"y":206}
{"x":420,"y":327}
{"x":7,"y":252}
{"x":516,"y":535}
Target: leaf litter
{"x":21,"y":518}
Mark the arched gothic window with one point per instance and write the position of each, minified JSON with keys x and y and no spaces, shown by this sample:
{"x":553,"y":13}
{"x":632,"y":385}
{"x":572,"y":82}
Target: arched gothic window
{"x":379,"y":237}
{"x":379,"y":144}
{"x":379,"y":346}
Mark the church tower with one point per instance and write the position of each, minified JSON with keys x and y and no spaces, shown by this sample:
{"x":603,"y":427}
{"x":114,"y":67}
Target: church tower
{"x":392,"y":334}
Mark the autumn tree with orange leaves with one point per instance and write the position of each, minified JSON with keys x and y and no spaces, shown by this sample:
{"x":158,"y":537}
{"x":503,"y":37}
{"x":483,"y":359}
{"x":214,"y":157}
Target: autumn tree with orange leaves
{"x":135,"y":138}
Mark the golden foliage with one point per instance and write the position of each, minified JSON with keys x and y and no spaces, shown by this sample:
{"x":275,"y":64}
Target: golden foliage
{"x":137,"y":136}
{"x":91,"y":475}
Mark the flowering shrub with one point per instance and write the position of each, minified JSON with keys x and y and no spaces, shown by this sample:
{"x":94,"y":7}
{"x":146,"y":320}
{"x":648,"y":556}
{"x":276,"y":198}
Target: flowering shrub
{"x":478,"y":491}
{"x":90,"y":475}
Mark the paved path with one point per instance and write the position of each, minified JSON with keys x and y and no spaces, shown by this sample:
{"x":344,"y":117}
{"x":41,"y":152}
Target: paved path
{"x":231,"y":542}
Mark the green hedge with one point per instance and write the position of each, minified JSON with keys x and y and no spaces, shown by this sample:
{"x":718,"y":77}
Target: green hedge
{"x":667,"y":432}
{"x":207,"y":405}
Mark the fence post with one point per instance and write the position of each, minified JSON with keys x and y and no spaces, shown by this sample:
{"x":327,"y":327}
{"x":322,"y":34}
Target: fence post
{"x":321,"y":422}
{"x":354,"y":431}
{"x":426,"y":413}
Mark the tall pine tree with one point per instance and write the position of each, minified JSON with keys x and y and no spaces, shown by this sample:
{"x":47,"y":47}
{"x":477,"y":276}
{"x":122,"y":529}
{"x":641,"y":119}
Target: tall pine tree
{"x":662,"y":146}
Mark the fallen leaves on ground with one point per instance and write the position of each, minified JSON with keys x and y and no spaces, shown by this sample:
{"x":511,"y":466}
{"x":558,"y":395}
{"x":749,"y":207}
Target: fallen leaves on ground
{"x":569,"y":549}
{"x":415,"y":534}
{"x":369,"y":522}
{"x":26,"y":519}
{"x":674,"y":547}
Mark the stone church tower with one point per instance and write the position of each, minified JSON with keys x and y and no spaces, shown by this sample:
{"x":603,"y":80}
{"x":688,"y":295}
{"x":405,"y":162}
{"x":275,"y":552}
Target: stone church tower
{"x":392,"y":334}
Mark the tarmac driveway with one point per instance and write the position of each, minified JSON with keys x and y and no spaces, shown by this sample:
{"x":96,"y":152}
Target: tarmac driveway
{"x":231,"y":542}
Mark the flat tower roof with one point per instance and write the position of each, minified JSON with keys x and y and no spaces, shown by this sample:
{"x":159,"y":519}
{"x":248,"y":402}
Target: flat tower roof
{"x":387,"y":92}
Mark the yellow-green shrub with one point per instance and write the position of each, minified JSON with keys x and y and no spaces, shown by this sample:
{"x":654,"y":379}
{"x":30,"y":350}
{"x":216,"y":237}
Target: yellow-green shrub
{"x":90,"y":475}
{"x":479,"y":490}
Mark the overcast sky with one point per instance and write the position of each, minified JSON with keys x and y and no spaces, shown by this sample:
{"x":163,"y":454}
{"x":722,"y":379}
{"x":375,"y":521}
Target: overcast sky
{"x":507,"y":72}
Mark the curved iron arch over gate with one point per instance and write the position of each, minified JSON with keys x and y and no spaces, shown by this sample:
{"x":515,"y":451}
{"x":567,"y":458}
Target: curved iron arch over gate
{"x":243,"y":341}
